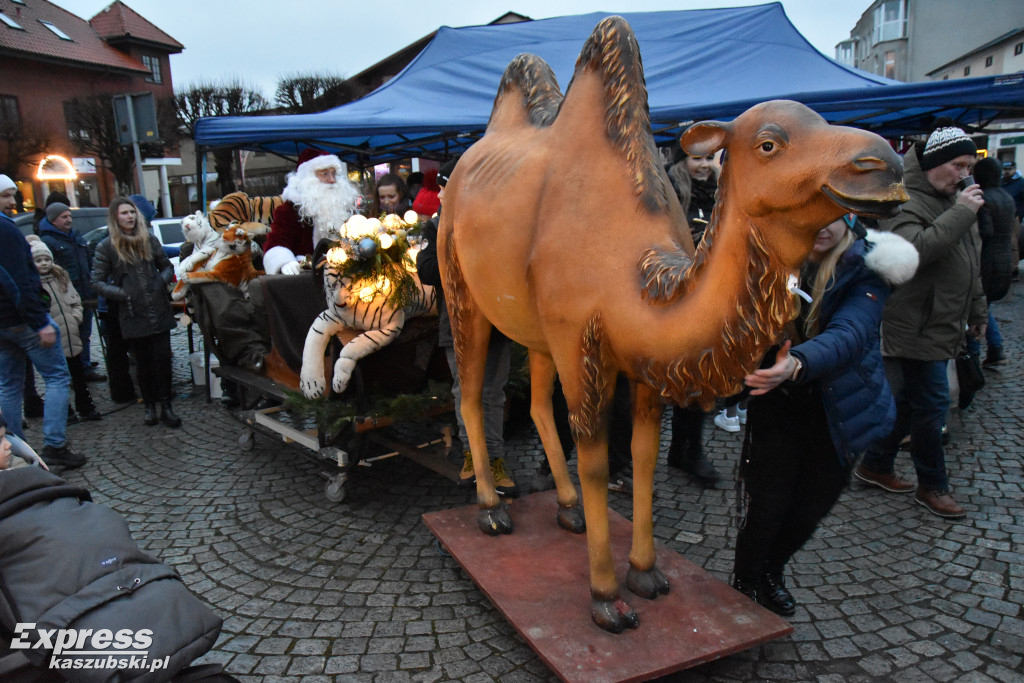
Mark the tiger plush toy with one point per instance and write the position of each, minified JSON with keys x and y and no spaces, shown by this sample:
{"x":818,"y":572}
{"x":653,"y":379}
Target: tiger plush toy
{"x":347,"y":307}
{"x":252,"y":214}
{"x":230,"y":264}
{"x":202,"y":236}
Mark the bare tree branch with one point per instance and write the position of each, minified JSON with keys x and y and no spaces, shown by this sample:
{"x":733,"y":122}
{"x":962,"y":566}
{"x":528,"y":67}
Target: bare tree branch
{"x":305,"y":93}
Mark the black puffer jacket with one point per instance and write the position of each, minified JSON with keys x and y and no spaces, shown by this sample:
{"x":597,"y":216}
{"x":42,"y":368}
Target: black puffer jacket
{"x":139,"y":288}
{"x":996,"y":224}
{"x":70,"y":564}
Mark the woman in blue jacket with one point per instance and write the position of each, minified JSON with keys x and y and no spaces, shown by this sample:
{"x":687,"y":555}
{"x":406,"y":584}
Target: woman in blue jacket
{"x":817,"y":406}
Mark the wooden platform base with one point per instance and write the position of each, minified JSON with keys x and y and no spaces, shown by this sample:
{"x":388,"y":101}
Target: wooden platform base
{"x":537,"y":577}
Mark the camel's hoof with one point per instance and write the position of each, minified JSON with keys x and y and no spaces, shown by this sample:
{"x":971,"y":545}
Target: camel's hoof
{"x":571,"y":518}
{"x":494,"y":521}
{"x":647,"y":584}
{"x":614,"y":616}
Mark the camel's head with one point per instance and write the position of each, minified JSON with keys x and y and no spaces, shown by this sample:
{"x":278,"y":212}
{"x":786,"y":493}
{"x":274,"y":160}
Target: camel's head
{"x":786,"y":162}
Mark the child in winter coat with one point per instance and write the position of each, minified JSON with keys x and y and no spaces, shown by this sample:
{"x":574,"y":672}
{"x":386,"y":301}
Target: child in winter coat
{"x":66,"y":311}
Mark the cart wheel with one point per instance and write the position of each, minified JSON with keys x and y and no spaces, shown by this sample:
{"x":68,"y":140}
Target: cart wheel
{"x":247,"y":441}
{"x":335,"y":489}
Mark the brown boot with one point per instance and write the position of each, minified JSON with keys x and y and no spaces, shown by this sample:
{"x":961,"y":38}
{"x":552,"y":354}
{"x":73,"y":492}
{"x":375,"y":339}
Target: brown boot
{"x":940,"y":503}
{"x":890,"y":481}
{"x":504,"y":484}
{"x":467,"y":477}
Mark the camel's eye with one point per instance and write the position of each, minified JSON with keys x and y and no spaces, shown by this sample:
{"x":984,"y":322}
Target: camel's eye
{"x":768,"y":147}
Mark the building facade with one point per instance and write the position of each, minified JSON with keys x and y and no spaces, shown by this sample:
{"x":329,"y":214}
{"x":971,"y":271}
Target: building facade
{"x":908,"y":39}
{"x":53,"y":61}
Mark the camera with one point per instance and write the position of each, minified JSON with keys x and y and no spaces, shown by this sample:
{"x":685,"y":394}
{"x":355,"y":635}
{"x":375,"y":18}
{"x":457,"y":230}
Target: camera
{"x":965,"y":182}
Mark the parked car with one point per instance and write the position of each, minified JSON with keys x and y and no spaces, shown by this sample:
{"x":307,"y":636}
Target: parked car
{"x":82,"y":220}
{"x":167,"y":230}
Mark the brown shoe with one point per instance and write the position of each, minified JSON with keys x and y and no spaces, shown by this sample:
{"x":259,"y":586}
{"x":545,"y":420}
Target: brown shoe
{"x":940,"y":503}
{"x":504,"y":484}
{"x":889,"y":481}
{"x":467,"y":477}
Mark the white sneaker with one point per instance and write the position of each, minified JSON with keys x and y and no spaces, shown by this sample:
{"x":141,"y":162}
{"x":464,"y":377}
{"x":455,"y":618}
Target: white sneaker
{"x":729,"y":424}
{"x":742,"y":414}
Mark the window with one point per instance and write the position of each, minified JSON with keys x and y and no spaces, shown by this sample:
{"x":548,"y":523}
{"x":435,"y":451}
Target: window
{"x":1018,"y":48}
{"x":10,"y":120}
{"x":846,"y":52}
{"x":890,"y":64}
{"x":967,"y":71}
{"x":19,"y":2}
{"x":56,"y":31}
{"x":153,"y":64}
{"x":74,"y":117}
{"x":988,"y":60}
{"x":890,"y":20}
{"x":10,"y":22}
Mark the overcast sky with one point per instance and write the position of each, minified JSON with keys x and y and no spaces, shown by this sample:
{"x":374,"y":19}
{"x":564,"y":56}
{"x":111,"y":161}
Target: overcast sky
{"x":261,"y":41}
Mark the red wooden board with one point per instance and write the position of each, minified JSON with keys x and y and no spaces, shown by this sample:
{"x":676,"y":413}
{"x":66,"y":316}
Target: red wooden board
{"x":537,"y":577}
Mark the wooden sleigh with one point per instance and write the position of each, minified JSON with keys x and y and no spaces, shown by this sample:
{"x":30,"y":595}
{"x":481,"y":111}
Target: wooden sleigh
{"x":282,"y":308}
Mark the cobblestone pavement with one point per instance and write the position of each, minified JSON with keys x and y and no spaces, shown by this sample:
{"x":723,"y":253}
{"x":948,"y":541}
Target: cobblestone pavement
{"x":311,"y":590}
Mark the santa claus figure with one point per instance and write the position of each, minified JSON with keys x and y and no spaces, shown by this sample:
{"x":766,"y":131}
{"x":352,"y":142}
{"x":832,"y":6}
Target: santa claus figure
{"x":318,"y":200}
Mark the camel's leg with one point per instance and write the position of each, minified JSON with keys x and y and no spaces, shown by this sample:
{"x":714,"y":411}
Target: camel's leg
{"x":471,"y":342}
{"x":644,"y":578}
{"x":542,"y":379}
{"x":588,"y":393}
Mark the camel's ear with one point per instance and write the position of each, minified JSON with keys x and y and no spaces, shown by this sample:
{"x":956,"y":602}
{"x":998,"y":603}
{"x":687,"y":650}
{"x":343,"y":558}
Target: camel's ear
{"x":705,"y":137}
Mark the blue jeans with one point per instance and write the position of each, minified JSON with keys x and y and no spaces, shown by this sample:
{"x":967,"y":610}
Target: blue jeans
{"x":921,"y":390}
{"x":993,"y":339}
{"x":499,"y":358}
{"x":15,"y":344}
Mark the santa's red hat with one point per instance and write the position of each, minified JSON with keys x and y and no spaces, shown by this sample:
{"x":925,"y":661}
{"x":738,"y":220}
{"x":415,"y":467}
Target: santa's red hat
{"x":311,"y":160}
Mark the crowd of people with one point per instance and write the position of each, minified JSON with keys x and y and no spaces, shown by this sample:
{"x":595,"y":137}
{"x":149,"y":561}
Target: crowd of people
{"x":862,"y":368}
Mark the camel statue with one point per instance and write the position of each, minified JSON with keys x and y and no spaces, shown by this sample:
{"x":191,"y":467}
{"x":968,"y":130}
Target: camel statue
{"x":560,"y":229}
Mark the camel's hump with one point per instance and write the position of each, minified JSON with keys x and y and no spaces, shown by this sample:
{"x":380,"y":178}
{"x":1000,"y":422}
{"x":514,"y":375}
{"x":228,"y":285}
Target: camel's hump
{"x":528,"y":95}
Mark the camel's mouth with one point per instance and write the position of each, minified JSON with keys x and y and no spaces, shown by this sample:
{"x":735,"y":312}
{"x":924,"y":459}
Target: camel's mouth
{"x":886,"y":206}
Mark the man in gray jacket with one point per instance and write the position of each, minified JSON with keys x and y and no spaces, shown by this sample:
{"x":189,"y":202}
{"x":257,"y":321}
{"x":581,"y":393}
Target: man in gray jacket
{"x":924,"y":320}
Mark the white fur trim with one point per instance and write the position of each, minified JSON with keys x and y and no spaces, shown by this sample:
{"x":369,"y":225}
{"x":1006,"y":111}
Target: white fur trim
{"x":892,"y":257}
{"x":309,"y":168}
{"x":275,"y":258}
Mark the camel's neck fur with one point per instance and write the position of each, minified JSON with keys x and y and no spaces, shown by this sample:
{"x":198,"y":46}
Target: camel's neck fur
{"x":763,"y":305}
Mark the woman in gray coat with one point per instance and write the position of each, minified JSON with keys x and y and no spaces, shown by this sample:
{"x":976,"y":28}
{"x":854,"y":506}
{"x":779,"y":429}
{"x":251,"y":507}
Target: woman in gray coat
{"x":130,"y":267}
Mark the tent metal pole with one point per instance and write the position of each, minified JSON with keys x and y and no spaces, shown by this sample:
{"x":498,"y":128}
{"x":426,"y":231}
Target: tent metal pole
{"x":201,"y":176}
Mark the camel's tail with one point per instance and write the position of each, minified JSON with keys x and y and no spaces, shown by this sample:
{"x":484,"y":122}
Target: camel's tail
{"x":532,"y":79}
{"x":612,"y":53}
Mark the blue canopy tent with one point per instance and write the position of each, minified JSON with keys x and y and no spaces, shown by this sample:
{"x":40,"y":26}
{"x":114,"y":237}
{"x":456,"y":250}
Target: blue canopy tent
{"x":698,"y":64}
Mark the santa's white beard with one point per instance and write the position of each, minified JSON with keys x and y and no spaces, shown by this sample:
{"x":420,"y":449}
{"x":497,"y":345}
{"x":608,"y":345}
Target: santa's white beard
{"x":324,"y":205}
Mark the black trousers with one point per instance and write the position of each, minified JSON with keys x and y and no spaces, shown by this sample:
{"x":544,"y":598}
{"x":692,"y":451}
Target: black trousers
{"x":153,"y":366}
{"x":118,"y":364}
{"x":83,"y":399}
{"x":790,"y":477}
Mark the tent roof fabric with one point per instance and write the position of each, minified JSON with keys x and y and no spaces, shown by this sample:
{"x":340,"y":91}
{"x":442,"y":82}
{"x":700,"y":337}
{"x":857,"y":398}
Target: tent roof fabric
{"x":698,"y":64}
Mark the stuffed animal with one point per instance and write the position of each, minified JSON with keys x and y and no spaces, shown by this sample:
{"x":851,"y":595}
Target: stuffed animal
{"x":230,"y":264}
{"x":355,"y":305}
{"x":252,"y":214}
{"x":370,"y":284}
{"x":202,"y":236}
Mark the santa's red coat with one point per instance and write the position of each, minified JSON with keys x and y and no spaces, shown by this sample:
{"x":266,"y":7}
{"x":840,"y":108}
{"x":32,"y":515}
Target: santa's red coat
{"x":289,"y":231}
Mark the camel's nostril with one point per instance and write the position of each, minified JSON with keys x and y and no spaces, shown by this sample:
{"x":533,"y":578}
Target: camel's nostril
{"x":870,"y":164}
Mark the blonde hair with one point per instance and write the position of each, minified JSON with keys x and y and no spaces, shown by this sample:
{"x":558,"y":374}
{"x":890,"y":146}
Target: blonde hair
{"x":130,"y":248}
{"x":824,"y":280}
{"x":61,"y":276}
